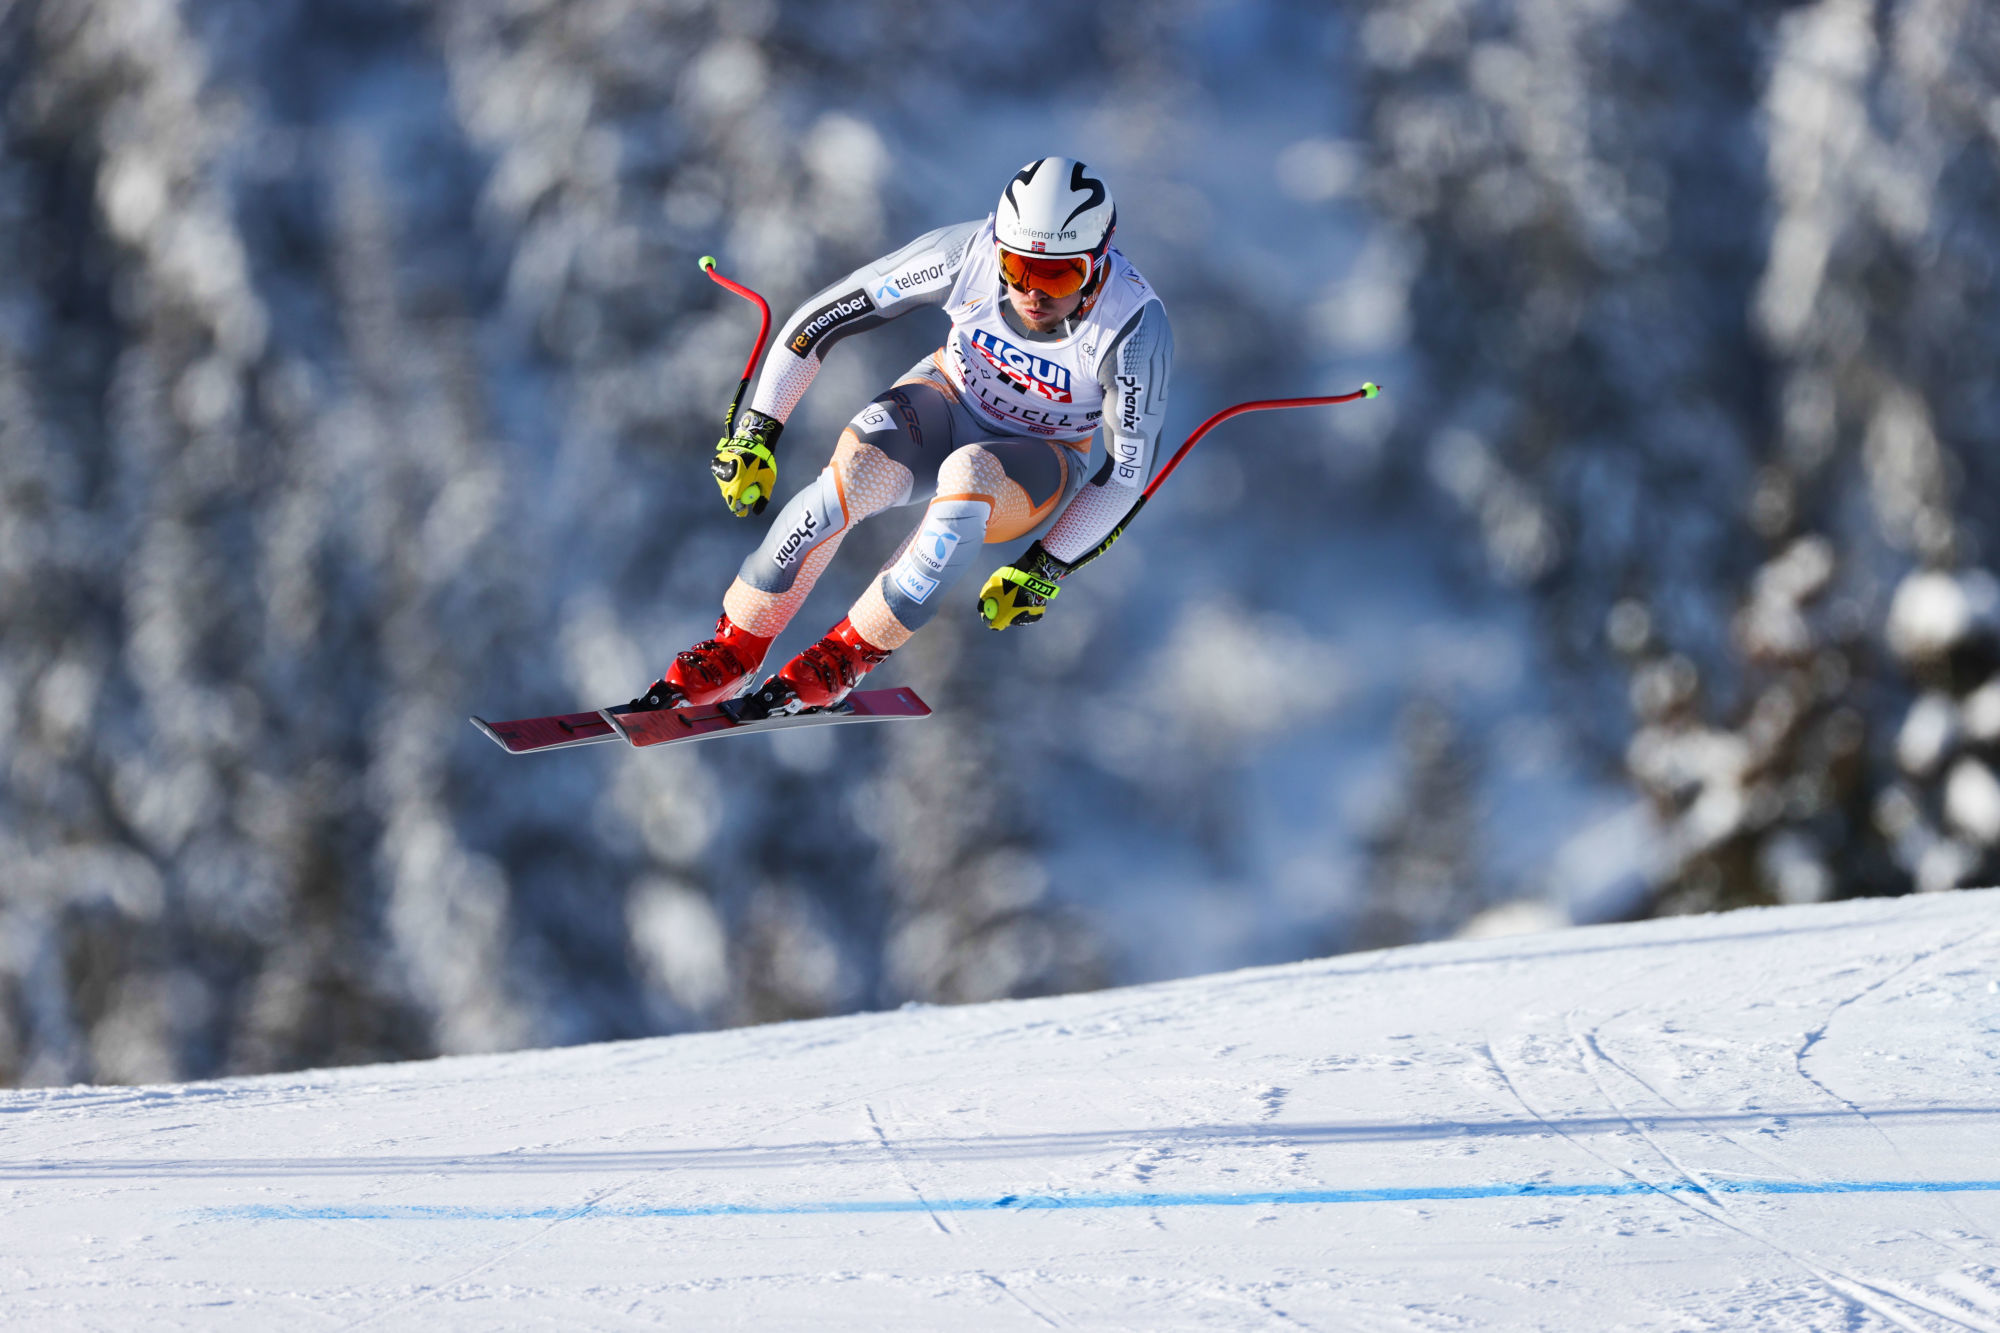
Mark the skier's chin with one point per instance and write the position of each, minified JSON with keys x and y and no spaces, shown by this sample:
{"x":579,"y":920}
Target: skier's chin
{"x":1043,"y":316}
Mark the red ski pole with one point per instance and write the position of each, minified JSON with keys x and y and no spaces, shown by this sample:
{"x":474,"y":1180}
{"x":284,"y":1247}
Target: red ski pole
{"x":1061,"y":568}
{"x":1367,"y":390}
{"x":756,"y":353}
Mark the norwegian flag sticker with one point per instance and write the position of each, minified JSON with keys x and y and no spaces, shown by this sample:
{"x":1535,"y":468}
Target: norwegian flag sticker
{"x":1041,"y":247}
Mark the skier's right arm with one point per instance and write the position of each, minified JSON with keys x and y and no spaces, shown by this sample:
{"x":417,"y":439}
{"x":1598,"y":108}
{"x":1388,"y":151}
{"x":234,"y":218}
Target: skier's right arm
{"x":919,"y":275}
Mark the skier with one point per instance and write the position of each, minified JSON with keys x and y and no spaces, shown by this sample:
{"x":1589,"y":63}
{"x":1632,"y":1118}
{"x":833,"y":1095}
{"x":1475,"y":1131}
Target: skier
{"x":1054,"y":335}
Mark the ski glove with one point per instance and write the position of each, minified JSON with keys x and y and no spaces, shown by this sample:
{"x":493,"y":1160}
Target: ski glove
{"x":1018,"y":594}
{"x":744,"y":466}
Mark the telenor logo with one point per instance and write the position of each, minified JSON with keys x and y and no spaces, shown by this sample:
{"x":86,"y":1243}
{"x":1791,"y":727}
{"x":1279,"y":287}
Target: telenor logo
{"x":917,"y":277}
{"x":900,"y":286}
{"x":1028,"y":374}
{"x":934,"y":546}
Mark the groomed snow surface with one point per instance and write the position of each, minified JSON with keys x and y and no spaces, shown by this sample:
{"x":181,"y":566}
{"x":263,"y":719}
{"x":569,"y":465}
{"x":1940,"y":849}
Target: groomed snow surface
{"x":1773,"y":1119}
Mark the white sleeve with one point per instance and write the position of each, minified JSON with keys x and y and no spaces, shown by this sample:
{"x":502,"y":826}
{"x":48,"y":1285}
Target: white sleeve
{"x":919,"y":275}
{"x":1134,"y":375}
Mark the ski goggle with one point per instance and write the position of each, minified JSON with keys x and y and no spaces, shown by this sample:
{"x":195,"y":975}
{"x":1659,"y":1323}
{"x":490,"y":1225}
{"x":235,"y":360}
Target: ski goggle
{"x":1052,"y":275}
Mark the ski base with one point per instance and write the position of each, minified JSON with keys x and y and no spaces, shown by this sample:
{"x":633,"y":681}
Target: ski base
{"x":533,"y":735}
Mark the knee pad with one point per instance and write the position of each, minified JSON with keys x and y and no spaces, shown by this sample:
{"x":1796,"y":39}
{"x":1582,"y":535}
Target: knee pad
{"x":810,"y":520}
{"x":933,"y":558}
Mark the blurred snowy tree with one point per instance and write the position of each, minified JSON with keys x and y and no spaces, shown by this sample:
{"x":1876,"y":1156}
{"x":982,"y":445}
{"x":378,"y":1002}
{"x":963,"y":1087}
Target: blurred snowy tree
{"x":355,"y":373}
{"x":1423,"y":849}
{"x":1701,"y":294}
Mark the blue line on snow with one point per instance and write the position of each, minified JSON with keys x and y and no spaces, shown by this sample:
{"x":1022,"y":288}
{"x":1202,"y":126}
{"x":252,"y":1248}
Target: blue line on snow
{"x":1023,"y":1202}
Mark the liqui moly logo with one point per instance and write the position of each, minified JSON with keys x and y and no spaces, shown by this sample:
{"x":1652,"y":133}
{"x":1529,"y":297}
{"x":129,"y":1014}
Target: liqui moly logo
{"x":1029,"y":374}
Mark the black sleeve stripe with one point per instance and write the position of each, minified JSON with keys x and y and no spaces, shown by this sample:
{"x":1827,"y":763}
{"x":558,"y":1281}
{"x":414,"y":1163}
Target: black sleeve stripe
{"x":817,"y":325}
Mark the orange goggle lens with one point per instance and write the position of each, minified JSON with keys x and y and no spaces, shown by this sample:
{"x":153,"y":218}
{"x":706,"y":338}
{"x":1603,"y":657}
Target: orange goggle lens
{"x":1056,"y":276}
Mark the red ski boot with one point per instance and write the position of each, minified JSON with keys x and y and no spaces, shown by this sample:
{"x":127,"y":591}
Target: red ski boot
{"x":713,"y":669}
{"x":819,"y":677}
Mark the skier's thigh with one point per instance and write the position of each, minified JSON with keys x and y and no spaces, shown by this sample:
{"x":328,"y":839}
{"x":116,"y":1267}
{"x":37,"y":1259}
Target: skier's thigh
{"x":1024,"y":478}
{"x":909,"y":424}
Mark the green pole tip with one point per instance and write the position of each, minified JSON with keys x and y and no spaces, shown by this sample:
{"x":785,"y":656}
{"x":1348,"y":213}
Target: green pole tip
{"x":708,"y":261}
{"x":1370,"y":388}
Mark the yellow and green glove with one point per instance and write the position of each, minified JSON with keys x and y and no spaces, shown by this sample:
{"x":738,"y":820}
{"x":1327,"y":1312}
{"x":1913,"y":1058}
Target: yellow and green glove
{"x":1019,"y":594}
{"x":744,"y":465}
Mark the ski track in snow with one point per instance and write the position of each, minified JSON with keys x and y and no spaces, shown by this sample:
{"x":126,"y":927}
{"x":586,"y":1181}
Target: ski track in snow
{"x":1776,"y":1119}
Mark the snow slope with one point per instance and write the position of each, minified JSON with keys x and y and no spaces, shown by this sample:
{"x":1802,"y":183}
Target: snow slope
{"x":1773,"y":1119}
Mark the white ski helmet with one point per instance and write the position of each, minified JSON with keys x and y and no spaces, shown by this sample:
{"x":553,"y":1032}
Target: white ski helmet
{"x":1054,"y":206}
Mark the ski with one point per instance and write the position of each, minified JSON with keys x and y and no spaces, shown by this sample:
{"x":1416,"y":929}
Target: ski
{"x":532,"y":735}
{"x":664,"y":726}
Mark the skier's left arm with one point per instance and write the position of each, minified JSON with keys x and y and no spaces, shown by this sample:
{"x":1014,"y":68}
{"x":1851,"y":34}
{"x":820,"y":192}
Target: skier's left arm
{"x":1134,"y":376}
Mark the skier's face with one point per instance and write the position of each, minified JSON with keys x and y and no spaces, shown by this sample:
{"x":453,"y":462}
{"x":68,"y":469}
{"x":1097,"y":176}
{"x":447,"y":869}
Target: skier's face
{"x":1040,"y":311}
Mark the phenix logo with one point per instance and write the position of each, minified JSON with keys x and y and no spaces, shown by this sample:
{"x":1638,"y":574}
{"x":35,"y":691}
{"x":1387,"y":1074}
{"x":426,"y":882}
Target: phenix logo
{"x":797,"y":537}
{"x":1028,"y":374}
{"x":1128,"y":407}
